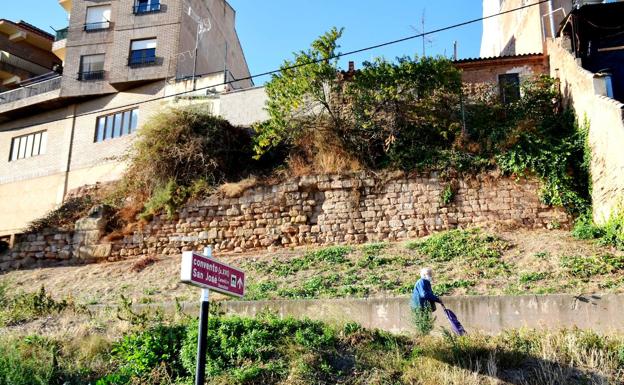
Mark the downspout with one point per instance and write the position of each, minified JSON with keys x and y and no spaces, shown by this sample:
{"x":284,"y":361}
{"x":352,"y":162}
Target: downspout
{"x":551,"y":17}
{"x":69,"y":154}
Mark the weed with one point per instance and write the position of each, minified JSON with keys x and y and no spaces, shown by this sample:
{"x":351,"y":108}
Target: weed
{"x":469,"y":244}
{"x":26,"y":307}
{"x":542,"y":255}
{"x":448,"y":195}
{"x":586,"y":267}
{"x":423,"y":320}
{"x":446,"y":288}
{"x":529,"y":277}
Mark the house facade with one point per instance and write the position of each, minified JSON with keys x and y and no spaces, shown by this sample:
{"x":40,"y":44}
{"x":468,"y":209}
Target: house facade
{"x":122,"y":61}
{"x":582,"y":40}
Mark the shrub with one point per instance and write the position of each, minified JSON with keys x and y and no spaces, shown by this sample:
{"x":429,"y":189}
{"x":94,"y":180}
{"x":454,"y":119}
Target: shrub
{"x":423,"y":320}
{"x":181,"y":152}
{"x":65,"y":216}
{"x":584,"y":227}
{"x":140,"y":352}
{"x":251,"y":347}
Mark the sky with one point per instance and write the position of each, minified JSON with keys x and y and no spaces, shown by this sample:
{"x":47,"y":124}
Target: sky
{"x":271,"y":30}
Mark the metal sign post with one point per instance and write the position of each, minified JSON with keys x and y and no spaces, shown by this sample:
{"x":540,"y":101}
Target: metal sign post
{"x":209,"y":274}
{"x":204,"y":311}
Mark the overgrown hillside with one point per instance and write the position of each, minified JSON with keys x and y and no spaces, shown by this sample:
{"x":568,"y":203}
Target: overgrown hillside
{"x":465,"y":262}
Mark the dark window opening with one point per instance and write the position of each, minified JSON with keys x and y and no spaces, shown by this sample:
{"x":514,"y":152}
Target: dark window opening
{"x":509,"y":85}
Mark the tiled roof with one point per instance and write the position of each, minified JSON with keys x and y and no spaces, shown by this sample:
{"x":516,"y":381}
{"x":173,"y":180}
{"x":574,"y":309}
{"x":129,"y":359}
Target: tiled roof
{"x":478,"y":59}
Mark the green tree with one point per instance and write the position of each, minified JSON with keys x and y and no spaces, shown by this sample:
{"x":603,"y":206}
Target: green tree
{"x":302,"y":94}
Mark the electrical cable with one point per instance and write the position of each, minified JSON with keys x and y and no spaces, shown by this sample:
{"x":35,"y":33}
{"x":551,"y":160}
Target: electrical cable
{"x":295,"y":66}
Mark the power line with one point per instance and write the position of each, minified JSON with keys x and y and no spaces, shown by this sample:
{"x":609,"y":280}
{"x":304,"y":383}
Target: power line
{"x":295,"y":66}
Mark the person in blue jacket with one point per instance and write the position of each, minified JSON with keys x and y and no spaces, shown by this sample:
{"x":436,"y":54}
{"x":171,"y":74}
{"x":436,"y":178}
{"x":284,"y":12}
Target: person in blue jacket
{"x":422,"y":296}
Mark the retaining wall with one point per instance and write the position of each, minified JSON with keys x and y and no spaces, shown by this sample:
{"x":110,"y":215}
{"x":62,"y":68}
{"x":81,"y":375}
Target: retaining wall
{"x":490,"y":315}
{"x":316,"y":210}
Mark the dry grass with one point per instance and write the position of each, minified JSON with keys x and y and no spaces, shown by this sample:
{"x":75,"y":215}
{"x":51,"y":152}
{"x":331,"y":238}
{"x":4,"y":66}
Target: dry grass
{"x":234,"y":190}
{"x":143,"y":263}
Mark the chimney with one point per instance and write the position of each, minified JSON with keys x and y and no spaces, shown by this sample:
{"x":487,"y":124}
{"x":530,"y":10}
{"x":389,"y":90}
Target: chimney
{"x":351,"y":67}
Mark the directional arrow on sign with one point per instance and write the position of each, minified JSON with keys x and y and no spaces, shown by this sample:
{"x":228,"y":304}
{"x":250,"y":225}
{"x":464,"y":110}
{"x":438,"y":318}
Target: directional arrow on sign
{"x":240,"y":283}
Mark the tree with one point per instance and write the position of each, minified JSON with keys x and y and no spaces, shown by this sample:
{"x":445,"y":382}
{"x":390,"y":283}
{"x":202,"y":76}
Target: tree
{"x":302,"y":94}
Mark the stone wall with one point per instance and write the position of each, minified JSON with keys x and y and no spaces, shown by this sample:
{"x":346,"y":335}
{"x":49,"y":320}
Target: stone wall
{"x":319,"y":210}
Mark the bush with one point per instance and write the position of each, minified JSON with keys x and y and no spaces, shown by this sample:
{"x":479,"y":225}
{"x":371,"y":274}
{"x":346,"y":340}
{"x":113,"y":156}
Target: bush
{"x":143,"y":351}
{"x":251,"y":347}
{"x":65,"y":216}
{"x":181,"y":152}
{"x":423,"y":320}
{"x":584,"y":227}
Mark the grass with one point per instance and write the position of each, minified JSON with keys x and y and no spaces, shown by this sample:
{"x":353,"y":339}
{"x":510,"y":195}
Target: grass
{"x":24,"y":307}
{"x":465,"y":262}
{"x":270,"y":351}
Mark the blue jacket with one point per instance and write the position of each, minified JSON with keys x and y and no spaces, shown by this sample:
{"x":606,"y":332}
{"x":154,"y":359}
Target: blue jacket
{"x":423,"y":294}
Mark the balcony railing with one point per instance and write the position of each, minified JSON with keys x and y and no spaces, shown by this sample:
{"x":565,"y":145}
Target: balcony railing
{"x":99,"y":26}
{"x":31,"y":90}
{"x":140,"y":9}
{"x":142,"y":57}
{"x":91,"y":76}
{"x":61,"y":34}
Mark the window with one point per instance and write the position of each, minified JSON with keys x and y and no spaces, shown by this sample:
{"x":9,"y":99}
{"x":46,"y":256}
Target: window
{"x":509,"y":85}
{"x":29,"y":145}
{"x":91,"y":67}
{"x":116,"y":125}
{"x":142,"y":52}
{"x":146,"y":6}
{"x":98,"y":18}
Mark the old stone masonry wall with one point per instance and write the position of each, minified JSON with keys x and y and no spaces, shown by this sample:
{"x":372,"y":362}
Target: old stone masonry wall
{"x":320,"y":210}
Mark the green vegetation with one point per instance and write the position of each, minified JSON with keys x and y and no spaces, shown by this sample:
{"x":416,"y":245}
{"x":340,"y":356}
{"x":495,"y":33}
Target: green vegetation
{"x":268,"y":350}
{"x":450,"y":245}
{"x":413,"y":114}
{"x":181,"y":153}
{"x":586,"y":267}
{"x":23,"y":307}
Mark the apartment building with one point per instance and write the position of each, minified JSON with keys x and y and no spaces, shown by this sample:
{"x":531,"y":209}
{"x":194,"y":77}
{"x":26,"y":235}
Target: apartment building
{"x":122,"y":61}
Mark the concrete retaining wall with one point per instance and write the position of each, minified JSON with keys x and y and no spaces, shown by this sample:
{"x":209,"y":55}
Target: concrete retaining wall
{"x":490,"y":315}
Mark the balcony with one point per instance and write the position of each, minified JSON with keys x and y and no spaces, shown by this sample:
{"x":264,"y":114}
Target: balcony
{"x":141,"y":9}
{"x":9,"y":60}
{"x":97,"y":27}
{"x":36,"y":86}
{"x":91,"y":76}
{"x":61,"y":34}
{"x":143,"y":58}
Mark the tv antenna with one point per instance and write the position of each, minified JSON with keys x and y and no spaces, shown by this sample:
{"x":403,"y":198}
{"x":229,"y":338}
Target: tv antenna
{"x":421,"y":30}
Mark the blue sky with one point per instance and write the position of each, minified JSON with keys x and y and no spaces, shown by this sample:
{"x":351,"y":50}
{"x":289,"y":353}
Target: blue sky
{"x":271,"y":30}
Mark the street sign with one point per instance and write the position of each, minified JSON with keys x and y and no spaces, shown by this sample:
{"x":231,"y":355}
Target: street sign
{"x":208,"y":273}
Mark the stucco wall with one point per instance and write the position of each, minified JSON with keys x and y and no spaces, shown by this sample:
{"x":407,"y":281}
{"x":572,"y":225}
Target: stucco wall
{"x":244,"y":108}
{"x":490,"y":315}
{"x":606,"y":133}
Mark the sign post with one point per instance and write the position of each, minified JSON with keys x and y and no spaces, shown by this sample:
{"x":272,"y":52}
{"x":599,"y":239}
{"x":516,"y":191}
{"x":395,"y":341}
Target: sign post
{"x":209,"y":274}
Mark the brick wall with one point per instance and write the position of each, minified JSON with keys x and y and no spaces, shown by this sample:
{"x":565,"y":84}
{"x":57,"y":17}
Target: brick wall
{"x":318,"y":210}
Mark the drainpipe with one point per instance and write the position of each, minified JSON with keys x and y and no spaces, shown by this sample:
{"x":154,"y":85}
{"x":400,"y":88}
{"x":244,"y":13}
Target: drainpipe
{"x":551,"y":17}
{"x":69,"y":153}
